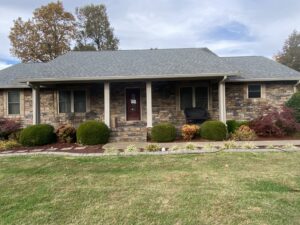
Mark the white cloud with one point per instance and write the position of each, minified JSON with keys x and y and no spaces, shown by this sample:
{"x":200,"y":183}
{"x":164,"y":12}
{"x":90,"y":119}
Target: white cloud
{"x":185,"y":23}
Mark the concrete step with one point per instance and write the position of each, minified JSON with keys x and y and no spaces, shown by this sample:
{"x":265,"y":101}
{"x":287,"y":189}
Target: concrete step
{"x":139,"y":139}
{"x":128,"y":133}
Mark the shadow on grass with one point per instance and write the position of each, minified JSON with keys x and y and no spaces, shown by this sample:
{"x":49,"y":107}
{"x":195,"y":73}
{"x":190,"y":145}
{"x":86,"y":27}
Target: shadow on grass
{"x":270,"y":186}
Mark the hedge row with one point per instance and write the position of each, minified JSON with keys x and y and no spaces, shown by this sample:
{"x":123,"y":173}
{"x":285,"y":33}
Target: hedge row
{"x":88,"y":133}
{"x":211,"y":130}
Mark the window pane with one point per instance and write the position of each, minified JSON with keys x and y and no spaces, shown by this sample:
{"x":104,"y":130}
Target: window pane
{"x":14,"y":97}
{"x":186,"y":98}
{"x":254,"y":91}
{"x":13,"y":108}
{"x":64,"y":101}
{"x":201,"y":97}
{"x":79,"y":101}
{"x":13,"y":102}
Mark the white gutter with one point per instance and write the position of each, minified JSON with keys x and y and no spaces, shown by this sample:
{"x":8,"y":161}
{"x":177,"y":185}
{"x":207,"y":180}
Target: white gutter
{"x":137,"y":77}
{"x":263,"y":79}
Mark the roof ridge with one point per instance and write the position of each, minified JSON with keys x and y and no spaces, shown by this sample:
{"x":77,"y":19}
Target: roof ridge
{"x":148,"y":49}
{"x":243,"y":56}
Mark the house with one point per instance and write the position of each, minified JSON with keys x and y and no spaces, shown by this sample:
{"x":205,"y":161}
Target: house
{"x":130,"y":90}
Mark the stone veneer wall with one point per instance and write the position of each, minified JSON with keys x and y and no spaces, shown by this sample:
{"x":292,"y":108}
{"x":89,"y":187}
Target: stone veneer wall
{"x":165,"y":103}
{"x":49,"y":106}
{"x":241,"y":108}
{"x":118,"y":101}
{"x":25,"y":116}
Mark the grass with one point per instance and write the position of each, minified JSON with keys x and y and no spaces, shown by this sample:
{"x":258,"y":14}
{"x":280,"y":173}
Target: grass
{"x":224,"y":188}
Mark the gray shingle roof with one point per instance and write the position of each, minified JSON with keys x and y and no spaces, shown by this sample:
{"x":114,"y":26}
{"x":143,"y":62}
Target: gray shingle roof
{"x":9,"y":77}
{"x":163,"y":62}
{"x":130,"y":64}
{"x":260,"y":68}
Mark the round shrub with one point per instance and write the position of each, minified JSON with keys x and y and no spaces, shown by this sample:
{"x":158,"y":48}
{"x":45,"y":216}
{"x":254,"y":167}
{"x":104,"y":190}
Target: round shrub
{"x":163,"y":132}
{"x":213,"y":130}
{"x":92,"y":133}
{"x":294,"y":103}
{"x":37,"y":135}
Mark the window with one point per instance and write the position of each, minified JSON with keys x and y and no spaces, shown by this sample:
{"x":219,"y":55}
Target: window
{"x":65,"y":101}
{"x":254,"y":91}
{"x":186,"y":98}
{"x":193,"y":97}
{"x":72,"y":101}
{"x":79,"y":101}
{"x":201,"y":97}
{"x":13,"y":98}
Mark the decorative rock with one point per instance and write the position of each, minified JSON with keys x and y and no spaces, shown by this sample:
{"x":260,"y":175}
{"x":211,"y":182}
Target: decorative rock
{"x":51,"y":149}
{"x":80,"y":148}
{"x":37,"y":150}
{"x":67,"y":148}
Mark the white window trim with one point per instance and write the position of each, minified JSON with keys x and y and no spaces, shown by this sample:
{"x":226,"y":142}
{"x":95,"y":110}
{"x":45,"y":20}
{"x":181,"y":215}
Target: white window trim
{"x":194,"y":94}
{"x":262,"y":90}
{"x":5,"y":105}
{"x":87,"y":102}
{"x":14,"y":102}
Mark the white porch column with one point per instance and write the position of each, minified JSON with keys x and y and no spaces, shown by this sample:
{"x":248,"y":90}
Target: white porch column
{"x":36,"y":104}
{"x":107,"y":103}
{"x":222,"y":102}
{"x":149,"y":103}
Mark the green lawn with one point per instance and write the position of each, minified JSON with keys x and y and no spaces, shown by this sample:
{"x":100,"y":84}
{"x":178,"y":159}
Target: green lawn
{"x":224,"y":188}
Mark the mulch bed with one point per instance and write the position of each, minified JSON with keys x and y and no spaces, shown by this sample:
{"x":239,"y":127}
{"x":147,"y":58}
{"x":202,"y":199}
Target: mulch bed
{"x":76,"y":148}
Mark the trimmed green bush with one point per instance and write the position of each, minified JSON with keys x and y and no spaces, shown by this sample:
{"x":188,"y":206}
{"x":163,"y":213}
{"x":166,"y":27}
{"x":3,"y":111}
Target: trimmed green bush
{"x":163,"y":132}
{"x":294,"y":103}
{"x":233,"y":125}
{"x":37,"y":135}
{"x":92,"y":133}
{"x":213,"y":130}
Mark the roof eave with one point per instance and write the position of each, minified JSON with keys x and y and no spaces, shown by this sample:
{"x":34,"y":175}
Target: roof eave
{"x":125,"y":78}
{"x":262,"y":79}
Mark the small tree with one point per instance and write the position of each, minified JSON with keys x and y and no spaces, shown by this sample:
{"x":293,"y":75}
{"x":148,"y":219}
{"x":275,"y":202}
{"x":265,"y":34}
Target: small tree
{"x":94,"y":29}
{"x":44,"y":37}
{"x":276,"y":122}
{"x":294,"y":103}
{"x":290,"y":54}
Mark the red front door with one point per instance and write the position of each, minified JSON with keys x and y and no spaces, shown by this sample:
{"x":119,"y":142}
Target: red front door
{"x":133,"y":108}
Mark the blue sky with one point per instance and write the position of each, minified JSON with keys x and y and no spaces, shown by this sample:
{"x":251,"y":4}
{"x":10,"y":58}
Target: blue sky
{"x":228,"y":27}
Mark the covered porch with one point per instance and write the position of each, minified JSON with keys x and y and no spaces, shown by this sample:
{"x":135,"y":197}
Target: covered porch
{"x":129,"y":107}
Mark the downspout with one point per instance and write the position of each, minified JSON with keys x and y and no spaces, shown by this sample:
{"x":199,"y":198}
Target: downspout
{"x":224,"y":79}
{"x":295,"y":86}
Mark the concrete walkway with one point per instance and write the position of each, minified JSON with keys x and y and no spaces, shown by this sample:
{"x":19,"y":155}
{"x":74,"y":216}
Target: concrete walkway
{"x":181,"y":145}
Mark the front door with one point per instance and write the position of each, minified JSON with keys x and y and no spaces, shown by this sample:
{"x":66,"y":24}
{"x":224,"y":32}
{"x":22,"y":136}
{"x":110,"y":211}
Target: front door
{"x":133,"y":109}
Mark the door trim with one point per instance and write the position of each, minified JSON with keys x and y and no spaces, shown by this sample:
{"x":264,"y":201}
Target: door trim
{"x":125,"y":108}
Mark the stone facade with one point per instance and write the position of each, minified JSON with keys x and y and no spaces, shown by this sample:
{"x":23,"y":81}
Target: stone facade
{"x":240,"y":107}
{"x":165,"y":101}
